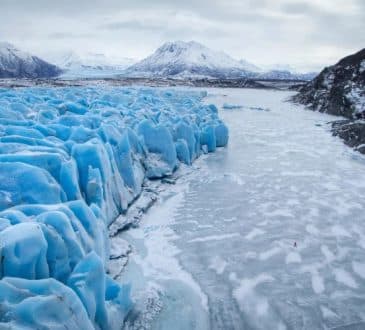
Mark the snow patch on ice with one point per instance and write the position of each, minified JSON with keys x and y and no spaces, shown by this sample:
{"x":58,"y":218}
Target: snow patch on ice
{"x":344,"y":277}
{"x":218,"y":265}
{"x":359,"y":268}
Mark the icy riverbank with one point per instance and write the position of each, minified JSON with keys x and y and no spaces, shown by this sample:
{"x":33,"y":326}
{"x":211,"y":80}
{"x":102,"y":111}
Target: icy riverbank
{"x":72,"y":160}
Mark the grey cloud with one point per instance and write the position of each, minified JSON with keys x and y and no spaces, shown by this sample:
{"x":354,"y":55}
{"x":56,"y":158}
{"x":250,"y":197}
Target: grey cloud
{"x":276,"y":31}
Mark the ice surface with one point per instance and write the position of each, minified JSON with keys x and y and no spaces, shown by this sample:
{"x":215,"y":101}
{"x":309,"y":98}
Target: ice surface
{"x":71,"y":161}
{"x":283,"y":179}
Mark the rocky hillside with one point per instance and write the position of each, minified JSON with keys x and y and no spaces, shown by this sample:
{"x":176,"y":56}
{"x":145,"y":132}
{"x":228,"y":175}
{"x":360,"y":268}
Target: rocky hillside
{"x":338,"y":89}
{"x":15,"y":63}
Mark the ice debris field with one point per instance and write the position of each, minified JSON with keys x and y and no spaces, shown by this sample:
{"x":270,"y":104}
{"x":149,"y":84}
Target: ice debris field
{"x":71,"y":161}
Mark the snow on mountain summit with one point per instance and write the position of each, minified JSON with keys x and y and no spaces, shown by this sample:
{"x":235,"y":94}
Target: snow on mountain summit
{"x":15,"y":63}
{"x":90,"y":64}
{"x":72,"y":60}
{"x":191,"y":58}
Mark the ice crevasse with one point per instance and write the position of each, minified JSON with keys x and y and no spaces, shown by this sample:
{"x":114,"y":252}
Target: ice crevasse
{"x":71,"y":160}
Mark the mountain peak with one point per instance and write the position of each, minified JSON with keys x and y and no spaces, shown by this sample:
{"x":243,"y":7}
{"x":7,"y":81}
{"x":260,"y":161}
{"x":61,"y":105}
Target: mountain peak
{"x":15,"y":63}
{"x":6,"y":45}
{"x":188,"y":59}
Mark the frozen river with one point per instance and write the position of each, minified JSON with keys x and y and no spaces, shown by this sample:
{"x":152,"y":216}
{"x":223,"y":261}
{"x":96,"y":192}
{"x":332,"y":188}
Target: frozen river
{"x":268,"y":233}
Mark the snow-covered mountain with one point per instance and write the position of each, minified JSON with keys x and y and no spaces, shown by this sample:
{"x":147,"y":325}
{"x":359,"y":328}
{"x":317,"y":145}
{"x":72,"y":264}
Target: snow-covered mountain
{"x":91,"y":64}
{"x":250,"y":66}
{"x":181,"y":59}
{"x":193,"y":60}
{"x":15,"y":63}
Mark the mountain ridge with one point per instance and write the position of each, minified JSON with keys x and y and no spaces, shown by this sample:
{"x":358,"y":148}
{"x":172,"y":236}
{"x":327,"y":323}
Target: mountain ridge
{"x":179,"y":59}
{"x":15,"y":63}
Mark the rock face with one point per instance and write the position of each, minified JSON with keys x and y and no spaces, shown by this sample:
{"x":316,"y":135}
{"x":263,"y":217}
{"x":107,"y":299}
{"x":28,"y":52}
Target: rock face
{"x":15,"y":63}
{"x":352,"y":132}
{"x":338,"y":89}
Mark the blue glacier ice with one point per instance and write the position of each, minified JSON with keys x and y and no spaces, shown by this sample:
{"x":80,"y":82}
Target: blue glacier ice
{"x":72,"y":160}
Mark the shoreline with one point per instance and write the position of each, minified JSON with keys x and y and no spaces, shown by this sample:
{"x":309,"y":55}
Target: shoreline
{"x":148,"y":253}
{"x":275,"y":84}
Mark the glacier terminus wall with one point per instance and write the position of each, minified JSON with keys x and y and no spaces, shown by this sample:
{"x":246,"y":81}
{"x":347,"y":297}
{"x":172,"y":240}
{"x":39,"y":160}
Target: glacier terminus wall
{"x":72,"y":160}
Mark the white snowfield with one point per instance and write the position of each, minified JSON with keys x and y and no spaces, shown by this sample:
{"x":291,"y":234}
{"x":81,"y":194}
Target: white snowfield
{"x":268,"y":233}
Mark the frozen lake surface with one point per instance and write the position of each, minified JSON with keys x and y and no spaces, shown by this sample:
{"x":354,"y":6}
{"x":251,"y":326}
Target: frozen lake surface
{"x":218,"y":250}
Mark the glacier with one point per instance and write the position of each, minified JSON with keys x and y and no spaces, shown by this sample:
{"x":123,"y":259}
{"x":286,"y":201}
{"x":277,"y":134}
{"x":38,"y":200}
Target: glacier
{"x":71,"y":161}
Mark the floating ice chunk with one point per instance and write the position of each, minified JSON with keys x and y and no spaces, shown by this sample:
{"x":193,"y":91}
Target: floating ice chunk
{"x":231,"y":106}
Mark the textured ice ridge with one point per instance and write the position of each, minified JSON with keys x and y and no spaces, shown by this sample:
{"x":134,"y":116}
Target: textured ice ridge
{"x":71,"y":161}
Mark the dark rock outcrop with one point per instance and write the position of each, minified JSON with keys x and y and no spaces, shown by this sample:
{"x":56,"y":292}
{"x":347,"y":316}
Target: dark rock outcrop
{"x":338,"y":89}
{"x":352,"y":132}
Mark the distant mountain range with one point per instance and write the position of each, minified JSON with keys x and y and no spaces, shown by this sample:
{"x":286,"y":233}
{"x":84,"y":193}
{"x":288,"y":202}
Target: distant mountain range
{"x":91,"y":64}
{"x":177,"y":60}
{"x":189,"y":60}
{"x":15,"y":63}
{"x":183,"y":60}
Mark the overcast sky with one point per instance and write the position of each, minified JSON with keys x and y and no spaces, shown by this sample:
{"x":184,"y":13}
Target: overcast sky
{"x":304,"y":33}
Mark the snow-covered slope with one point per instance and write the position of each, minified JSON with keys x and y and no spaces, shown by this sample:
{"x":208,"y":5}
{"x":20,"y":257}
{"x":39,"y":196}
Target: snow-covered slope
{"x":91,"y":64}
{"x":249,"y":66}
{"x":15,"y":63}
{"x":189,"y":59}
